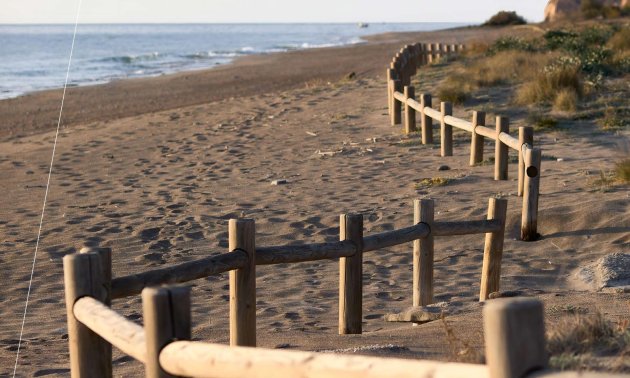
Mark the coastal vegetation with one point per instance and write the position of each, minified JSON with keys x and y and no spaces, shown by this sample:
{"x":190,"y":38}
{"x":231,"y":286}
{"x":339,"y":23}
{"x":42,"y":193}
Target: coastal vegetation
{"x":563,"y":77}
{"x":505,"y":18}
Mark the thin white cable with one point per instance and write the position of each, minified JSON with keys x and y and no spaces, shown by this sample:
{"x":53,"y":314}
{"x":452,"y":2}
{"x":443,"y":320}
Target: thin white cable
{"x":52,"y":160}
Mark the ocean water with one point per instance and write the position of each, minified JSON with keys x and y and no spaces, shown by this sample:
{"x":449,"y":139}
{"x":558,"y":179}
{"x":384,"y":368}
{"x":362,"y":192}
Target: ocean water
{"x":35,"y":57}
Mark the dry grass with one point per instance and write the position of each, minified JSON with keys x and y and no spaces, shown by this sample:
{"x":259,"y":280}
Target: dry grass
{"x":461,"y":350}
{"x":502,"y":68}
{"x":575,"y":339}
{"x":566,"y":100}
{"x":564,"y":79}
{"x":620,"y":41}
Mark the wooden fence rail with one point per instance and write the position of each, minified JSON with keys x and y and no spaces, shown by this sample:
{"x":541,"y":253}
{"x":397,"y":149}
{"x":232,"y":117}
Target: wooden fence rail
{"x":513,"y":329}
{"x":237,"y":258}
{"x":403,"y":97}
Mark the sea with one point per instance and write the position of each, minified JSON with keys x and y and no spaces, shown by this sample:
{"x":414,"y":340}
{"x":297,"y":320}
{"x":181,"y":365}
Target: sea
{"x":35,"y":57}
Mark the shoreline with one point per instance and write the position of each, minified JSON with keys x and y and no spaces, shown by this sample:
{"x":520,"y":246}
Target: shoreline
{"x":37,"y":112}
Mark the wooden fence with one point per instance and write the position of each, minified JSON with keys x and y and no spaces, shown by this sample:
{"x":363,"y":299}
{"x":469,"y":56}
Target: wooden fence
{"x":402,"y":96}
{"x":514,"y":331}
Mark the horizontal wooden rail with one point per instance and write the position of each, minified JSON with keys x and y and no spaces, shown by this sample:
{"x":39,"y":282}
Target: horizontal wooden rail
{"x":486,"y":132}
{"x":510,"y":141}
{"x":197,"y":359}
{"x":302,"y":253}
{"x":459,"y":123}
{"x":466,"y":227}
{"x":435,"y":114}
{"x":395,"y":237}
{"x":111,"y":326}
{"x":400,"y":97}
{"x":415,"y":105}
{"x":133,"y":284}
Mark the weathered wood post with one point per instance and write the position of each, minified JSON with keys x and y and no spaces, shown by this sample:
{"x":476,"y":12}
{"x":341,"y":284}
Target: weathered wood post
{"x":166,"y":316}
{"x":423,"y":212}
{"x":424,"y":53}
{"x":419,"y":53}
{"x":438,"y":52}
{"x":476,"y":142}
{"x":525,"y":136}
{"x":90,"y":355}
{"x":426,"y":121}
{"x":515,"y":337}
{"x":396,"y":116}
{"x":351,"y":276}
{"x":493,"y":250}
{"x":501,"y":150}
{"x":429,"y":53}
{"x":529,"y":217}
{"x":243,"y":284}
{"x":391,"y":76}
{"x":410,"y":113}
{"x":446,"y":131}
{"x":105,"y":255}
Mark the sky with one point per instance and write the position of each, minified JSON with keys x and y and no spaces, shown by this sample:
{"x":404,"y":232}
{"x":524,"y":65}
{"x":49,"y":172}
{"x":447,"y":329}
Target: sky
{"x":228,"y":11}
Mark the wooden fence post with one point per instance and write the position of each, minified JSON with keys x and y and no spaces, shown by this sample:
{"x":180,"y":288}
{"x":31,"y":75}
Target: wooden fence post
{"x":166,"y":316}
{"x":529,"y":217}
{"x":438,"y":52}
{"x":242,"y":235}
{"x":525,"y":136}
{"x":493,"y":250}
{"x":446,"y":131}
{"x":105,"y":255}
{"x":410,"y":113}
{"x":429,"y":53}
{"x":515,"y":337}
{"x":419,"y":53}
{"x":391,"y":75}
{"x":476,"y":142}
{"x":427,"y":122}
{"x":397,"y":106}
{"x":351,"y":276}
{"x":424,"y":58}
{"x":90,"y":355}
{"x":501,"y":150}
{"x":423,"y":212}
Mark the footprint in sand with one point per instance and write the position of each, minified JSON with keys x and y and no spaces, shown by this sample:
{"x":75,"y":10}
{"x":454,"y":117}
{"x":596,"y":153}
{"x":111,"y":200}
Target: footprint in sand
{"x":149,"y":234}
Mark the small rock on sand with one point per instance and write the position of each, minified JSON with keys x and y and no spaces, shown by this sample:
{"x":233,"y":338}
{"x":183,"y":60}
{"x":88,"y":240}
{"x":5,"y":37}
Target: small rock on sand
{"x":418,"y":314}
{"x":279,"y":182}
{"x":611,"y":271}
{"x":444,"y":168}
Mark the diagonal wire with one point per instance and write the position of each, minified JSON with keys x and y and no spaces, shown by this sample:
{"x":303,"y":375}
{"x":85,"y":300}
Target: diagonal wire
{"x":52,"y":160}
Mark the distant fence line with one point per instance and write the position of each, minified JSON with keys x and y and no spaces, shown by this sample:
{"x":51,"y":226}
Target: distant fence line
{"x":402,"y":97}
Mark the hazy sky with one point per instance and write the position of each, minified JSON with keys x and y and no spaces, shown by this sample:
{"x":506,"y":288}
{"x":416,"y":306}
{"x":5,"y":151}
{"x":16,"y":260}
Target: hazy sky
{"x":129,"y":11}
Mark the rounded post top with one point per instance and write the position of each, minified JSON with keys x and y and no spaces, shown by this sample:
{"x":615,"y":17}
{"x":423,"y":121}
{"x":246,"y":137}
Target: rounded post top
{"x":510,"y":305}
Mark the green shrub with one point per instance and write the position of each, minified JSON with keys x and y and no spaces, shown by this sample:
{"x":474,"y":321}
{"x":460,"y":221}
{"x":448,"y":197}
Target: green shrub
{"x":453,"y":93}
{"x":541,"y":123}
{"x":591,"y":8}
{"x":623,"y":170}
{"x":504,"y":18}
{"x":615,"y":119}
{"x":510,"y":43}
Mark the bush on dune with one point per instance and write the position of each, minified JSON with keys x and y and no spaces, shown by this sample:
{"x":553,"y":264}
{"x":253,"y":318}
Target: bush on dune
{"x":504,"y":18}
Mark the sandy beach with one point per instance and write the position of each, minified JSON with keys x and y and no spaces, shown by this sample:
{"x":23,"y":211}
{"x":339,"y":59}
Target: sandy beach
{"x":154,"y":168}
